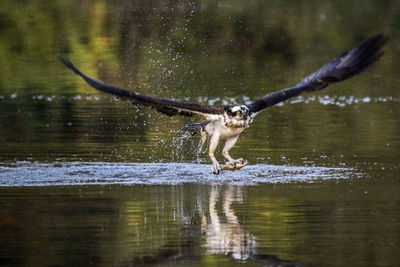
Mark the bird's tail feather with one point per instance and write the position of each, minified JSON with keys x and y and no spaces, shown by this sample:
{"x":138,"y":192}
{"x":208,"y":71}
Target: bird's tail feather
{"x":195,"y":128}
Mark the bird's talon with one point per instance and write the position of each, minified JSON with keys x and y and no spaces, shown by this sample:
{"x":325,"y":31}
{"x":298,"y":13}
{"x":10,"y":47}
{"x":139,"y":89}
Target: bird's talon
{"x":240,"y":160}
{"x":230,"y":163}
{"x":215,"y":168}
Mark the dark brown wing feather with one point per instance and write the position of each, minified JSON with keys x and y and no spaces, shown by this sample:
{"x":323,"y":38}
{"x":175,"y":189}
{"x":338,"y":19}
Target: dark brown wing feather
{"x":338,"y":69}
{"x":163,"y":105}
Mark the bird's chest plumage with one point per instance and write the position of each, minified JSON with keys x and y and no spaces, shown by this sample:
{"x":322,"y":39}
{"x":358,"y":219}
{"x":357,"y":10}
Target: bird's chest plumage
{"x":228,"y":132}
{"x":219,"y":127}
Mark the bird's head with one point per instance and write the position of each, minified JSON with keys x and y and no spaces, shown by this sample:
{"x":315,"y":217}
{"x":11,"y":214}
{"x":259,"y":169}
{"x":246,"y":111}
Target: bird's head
{"x":239,"y":112}
{"x":237,"y":116}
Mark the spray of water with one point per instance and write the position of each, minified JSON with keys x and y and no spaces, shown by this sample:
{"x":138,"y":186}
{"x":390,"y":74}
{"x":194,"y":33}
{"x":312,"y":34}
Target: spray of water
{"x":102,"y":173}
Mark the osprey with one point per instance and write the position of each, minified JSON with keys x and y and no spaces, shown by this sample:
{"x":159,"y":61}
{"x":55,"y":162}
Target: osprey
{"x":228,"y":122}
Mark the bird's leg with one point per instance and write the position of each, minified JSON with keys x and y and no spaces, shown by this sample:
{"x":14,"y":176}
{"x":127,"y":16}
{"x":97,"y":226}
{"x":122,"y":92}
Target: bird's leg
{"x":213,"y":145}
{"x":204,"y":136}
{"x":225,"y":152}
{"x":203,"y":140}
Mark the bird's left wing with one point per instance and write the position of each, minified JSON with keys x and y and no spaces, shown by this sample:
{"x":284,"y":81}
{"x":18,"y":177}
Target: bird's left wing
{"x":167,"y":106}
{"x":338,"y":69}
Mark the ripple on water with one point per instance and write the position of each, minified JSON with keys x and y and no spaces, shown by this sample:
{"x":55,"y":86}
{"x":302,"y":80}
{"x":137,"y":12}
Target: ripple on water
{"x":341,"y":101}
{"x":101,"y":173}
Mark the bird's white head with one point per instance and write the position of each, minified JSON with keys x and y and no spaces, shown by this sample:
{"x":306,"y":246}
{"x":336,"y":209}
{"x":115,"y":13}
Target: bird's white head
{"x":238,"y":116}
{"x":239,"y":111}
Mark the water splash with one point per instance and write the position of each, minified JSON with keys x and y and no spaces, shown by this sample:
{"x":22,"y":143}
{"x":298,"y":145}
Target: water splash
{"x":198,"y":151}
{"x":181,"y":141}
{"x":102,"y":173}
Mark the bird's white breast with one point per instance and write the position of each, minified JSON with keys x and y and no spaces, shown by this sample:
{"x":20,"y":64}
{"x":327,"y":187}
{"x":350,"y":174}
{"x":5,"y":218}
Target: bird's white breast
{"x":219,"y":127}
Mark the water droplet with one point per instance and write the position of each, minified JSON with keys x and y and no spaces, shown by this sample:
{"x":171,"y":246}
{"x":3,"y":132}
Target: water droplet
{"x":366,"y":99}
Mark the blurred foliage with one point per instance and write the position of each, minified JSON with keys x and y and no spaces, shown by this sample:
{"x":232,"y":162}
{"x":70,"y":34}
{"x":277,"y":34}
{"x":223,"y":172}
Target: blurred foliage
{"x":167,"y":47}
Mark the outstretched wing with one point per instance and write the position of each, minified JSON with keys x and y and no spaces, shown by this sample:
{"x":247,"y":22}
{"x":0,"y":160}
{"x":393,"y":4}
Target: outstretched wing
{"x":163,"y":105}
{"x":338,"y":69}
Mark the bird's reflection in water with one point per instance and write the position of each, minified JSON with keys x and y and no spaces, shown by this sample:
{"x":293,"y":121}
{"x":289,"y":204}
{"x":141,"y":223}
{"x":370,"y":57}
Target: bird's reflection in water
{"x":216,"y":232}
{"x":223,"y":233}
{"x":225,"y":236}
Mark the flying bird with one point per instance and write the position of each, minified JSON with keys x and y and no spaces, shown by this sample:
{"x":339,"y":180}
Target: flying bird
{"x":227,"y":122}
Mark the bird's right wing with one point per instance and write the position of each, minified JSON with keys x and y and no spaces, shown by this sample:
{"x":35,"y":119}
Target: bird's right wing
{"x":338,"y":69}
{"x":167,"y":106}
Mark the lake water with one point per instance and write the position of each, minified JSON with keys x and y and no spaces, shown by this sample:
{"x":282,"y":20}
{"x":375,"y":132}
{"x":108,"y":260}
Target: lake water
{"x":87,"y":179}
